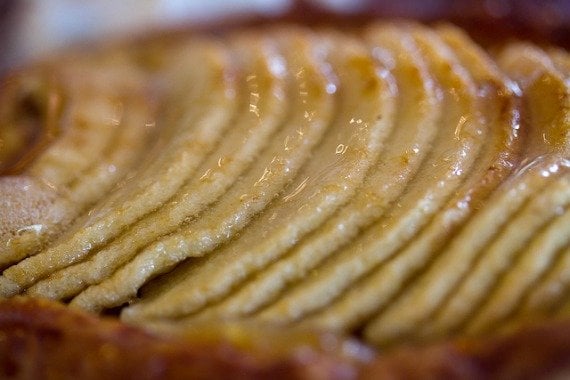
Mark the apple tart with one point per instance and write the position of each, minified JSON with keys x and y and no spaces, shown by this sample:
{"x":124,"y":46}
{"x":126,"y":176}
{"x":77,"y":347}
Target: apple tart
{"x":395,"y":181}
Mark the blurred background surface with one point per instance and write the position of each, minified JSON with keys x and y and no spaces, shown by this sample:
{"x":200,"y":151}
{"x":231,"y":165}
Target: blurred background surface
{"x":32,"y":28}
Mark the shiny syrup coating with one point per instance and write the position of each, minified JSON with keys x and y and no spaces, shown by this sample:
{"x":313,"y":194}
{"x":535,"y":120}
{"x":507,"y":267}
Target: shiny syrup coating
{"x":450,"y":254}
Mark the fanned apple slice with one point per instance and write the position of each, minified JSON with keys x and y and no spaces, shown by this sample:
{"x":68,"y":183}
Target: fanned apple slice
{"x":263,"y":111}
{"x":135,"y":119}
{"x":418,"y":110}
{"x":31,"y":104}
{"x":278,"y":166}
{"x":167,"y":174}
{"x":499,"y":154}
{"x":543,"y":297}
{"x":90,"y":119}
{"x":453,"y":153}
{"x":128,"y":145}
{"x":546,"y":96}
{"x":136,"y":129}
{"x":91,"y":96}
{"x":365,"y":118}
{"x":538,"y":78}
{"x":496,"y":160}
{"x":534,"y":261}
{"x":517,"y":221}
{"x":561,"y":308}
{"x":561,"y":60}
{"x":465,"y":249}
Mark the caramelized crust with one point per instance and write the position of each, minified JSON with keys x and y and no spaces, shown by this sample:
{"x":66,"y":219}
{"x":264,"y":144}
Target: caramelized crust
{"x":43,"y":339}
{"x":537,"y":352}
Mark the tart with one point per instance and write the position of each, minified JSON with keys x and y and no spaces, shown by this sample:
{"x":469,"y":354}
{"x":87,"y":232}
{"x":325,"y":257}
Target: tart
{"x":398,"y":182}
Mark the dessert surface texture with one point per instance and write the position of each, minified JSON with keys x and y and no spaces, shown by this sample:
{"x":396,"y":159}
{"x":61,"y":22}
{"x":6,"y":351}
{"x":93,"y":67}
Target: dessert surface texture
{"x":396,"y":181}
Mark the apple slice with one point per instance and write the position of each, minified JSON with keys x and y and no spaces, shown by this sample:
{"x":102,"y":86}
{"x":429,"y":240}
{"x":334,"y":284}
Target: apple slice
{"x":453,"y":152}
{"x":499,"y":155}
{"x":546,"y":97}
{"x":81,"y":183}
{"x":544,"y":296}
{"x":263,"y":111}
{"x":291,"y":149}
{"x":532,"y":262}
{"x":364,"y":120}
{"x":193,"y":142}
{"x":90,"y":119}
{"x":497,"y":255}
{"x":417,"y":113}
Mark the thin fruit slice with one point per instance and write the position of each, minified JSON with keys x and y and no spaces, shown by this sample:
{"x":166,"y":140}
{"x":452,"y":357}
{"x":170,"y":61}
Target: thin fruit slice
{"x":417,"y":113}
{"x":546,"y":93}
{"x":344,"y":157}
{"x":535,"y":259}
{"x":499,"y":153}
{"x":122,"y":156}
{"x":172,"y":169}
{"x":521,"y":221}
{"x":123,"y":85}
{"x":265,"y":107}
{"x":290,"y":150}
{"x":453,"y":153}
{"x":545,"y":296}
{"x":90,"y":118}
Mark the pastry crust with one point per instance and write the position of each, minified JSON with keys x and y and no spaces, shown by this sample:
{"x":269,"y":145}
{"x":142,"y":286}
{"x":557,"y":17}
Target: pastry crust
{"x":44,"y":339}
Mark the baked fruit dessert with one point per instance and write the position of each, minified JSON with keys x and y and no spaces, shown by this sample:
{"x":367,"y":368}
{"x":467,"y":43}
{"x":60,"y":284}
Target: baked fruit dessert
{"x":397,"y":182}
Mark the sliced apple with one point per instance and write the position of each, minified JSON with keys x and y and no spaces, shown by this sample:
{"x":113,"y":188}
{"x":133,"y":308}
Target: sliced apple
{"x":416,"y":117}
{"x":492,"y":239}
{"x":453,"y":153}
{"x":172,"y":169}
{"x":121,"y":84}
{"x":501,"y":146}
{"x":532,"y":262}
{"x":290,"y":151}
{"x":263,"y":111}
{"x":546,"y":95}
{"x":548,"y":293}
{"x":341,"y":162}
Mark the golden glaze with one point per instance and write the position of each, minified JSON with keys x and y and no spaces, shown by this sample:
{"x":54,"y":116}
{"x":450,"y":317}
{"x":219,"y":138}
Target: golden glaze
{"x":396,"y":180}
